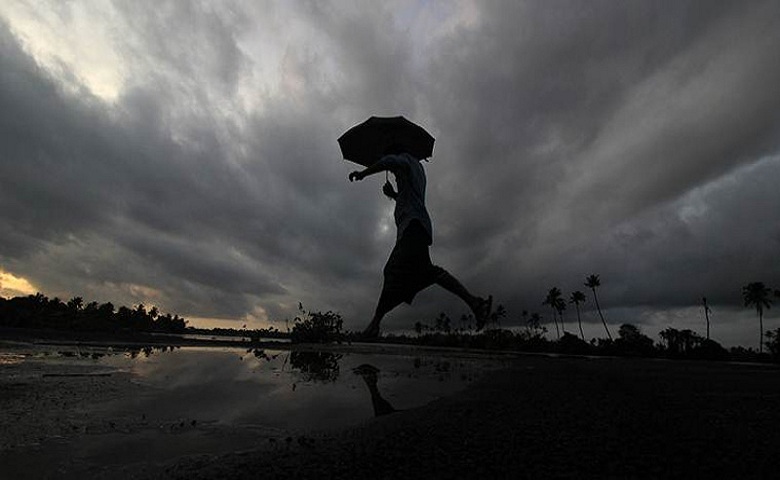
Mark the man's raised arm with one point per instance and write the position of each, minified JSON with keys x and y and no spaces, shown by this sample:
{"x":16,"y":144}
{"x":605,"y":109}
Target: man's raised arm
{"x":379,"y":166}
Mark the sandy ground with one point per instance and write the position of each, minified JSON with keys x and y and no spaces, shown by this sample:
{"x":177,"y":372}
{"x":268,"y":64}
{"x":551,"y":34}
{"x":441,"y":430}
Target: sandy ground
{"x":542,"y":418}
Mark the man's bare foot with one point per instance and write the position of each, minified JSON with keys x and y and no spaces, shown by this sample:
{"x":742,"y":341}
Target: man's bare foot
{"x":482,"y":309}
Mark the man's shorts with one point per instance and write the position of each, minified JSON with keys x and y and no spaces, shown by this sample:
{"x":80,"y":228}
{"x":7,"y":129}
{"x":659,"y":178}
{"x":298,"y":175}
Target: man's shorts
{"x":409,"y":269}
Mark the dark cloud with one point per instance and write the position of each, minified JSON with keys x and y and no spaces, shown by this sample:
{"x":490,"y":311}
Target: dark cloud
{"x":586,"y":112}
{"x":633,"y":139}
{"x":565,"y":123}
{"x":46,"y":188}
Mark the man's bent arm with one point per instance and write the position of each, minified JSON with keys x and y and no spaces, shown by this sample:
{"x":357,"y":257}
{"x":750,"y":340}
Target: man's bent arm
{"x":380,"y":166}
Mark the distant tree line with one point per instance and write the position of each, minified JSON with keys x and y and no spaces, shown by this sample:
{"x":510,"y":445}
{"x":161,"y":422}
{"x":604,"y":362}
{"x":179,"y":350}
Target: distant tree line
{"x":39,"y":311}
{"x":630,"y":341}
{"x":254,"y":335}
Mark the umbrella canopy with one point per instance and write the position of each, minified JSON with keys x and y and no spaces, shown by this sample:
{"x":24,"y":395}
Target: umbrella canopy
{"x":365,"y":143}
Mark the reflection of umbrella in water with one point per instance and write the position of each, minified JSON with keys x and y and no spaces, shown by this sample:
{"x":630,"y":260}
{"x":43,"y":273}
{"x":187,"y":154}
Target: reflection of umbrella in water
{"x":369,"y":375}
{"x":365,"y":143}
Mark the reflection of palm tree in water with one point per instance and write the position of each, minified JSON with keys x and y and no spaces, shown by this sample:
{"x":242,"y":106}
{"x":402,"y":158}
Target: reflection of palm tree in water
{"x":369,"y":375}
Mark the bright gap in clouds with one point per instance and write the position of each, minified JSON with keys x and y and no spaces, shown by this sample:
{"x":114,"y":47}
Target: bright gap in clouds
{"x":73,"y":43}
{"x":256,"y":319}
{"x":92,"y":46}
{"x":12,"y":286}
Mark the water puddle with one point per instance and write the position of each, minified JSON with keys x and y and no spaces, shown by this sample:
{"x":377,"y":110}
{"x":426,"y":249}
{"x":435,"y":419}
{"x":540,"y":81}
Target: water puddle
{"x":193,"y":400}
{"x":289,"y":390}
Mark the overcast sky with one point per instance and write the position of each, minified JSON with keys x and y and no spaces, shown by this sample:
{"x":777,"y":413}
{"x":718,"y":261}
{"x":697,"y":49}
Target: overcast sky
{"x":184,"y":154}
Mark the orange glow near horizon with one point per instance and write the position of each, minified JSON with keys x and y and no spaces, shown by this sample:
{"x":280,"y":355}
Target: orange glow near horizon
{"x":208,"y":323}
{"x":12,"y":286}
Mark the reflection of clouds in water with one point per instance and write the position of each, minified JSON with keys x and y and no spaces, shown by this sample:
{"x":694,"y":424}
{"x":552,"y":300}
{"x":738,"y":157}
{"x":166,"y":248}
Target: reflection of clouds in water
{"x":201,"y":383}
{"x":186,"y":368}
{"x":291,"y":389}
{"x":11,"y":358}
{"x":193,"y":365}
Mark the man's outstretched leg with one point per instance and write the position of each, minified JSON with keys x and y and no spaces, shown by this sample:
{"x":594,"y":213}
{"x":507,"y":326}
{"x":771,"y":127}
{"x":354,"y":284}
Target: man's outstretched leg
{"x":372,"y":330}
{"x":383,"y":307}
{"x":481,"y":307}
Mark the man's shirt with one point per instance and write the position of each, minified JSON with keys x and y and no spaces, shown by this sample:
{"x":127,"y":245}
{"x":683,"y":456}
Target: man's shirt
{"x":410,"y":203}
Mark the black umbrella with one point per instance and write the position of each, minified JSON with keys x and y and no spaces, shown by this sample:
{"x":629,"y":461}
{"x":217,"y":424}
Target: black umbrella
{"x":365,"y":143}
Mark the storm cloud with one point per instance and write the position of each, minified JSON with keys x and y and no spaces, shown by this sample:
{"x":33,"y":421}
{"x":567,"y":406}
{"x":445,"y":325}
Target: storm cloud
{"x":185,"y":156}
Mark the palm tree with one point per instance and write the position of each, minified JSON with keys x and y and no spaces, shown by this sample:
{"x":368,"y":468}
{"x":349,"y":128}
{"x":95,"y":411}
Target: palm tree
{"x":576,"y":298}
{"x":707,"y":311}
{"x":553,"y":296}
{"x":76,"y":304}
{"x":757,"y":294}
{"x":592,"y":282}
{"x":560,"y":306}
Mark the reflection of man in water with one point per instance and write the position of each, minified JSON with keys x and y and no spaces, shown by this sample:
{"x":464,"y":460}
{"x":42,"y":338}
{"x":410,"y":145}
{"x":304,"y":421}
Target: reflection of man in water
{"x":369,"y":375}
{"x":409,"y":268}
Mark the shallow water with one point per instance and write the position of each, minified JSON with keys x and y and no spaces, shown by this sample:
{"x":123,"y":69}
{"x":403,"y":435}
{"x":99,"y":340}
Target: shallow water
{"x":195,"y":400}
{"x":290,"y":390}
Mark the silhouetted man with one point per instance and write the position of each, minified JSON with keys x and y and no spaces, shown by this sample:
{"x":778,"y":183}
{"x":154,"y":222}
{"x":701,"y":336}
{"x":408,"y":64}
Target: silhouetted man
{"x":409,"y":269}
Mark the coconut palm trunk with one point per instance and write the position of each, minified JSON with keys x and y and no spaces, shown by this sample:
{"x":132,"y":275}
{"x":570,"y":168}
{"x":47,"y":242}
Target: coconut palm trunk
{"x":592,"y":282}
{"x":757,"y":294}
{"x":598,"y":307}
{"x":553,"y":299}
{"x":575,"y":298}
{"x":560,"y":306}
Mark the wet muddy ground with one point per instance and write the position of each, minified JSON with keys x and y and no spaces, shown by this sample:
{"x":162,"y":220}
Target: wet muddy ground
{"x":364,"y":412}
{"x":82,"y":411}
